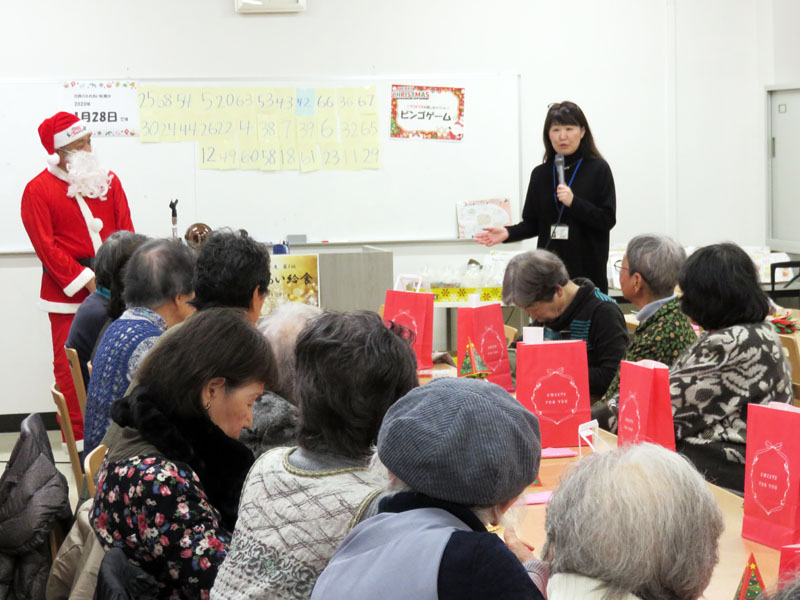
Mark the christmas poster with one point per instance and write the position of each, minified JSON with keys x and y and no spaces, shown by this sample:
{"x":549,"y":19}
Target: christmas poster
{"x":428,"y":112}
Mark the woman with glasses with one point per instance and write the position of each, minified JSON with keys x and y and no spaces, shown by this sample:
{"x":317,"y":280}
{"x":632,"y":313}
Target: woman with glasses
{"x":571,"y":208}
{"x":648,"y":274}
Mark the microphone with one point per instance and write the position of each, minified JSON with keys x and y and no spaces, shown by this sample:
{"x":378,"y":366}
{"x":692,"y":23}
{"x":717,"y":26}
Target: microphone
{"x":560,"y":168}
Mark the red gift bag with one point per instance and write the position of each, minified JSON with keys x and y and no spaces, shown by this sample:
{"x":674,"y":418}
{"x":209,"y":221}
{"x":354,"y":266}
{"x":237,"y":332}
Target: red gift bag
{"x":483,"y":327}
{"x":772,"y":475}
{"x":645,"y":404}
{"x":415,"y":311}
{"x":789,"y":567}
{"x":553,"y":383}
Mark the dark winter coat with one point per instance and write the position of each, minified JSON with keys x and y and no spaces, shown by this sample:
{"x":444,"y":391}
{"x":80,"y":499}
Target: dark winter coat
{"x":33,"y":496}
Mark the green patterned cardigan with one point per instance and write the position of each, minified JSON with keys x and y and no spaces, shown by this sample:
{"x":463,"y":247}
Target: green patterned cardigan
{"x":662,"y":337}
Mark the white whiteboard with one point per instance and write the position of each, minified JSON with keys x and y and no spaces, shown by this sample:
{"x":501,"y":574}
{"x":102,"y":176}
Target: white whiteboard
{"x":411,"y":197}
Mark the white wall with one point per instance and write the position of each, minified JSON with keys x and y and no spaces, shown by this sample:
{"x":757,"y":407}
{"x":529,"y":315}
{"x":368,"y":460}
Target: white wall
{"x":673,"y":90}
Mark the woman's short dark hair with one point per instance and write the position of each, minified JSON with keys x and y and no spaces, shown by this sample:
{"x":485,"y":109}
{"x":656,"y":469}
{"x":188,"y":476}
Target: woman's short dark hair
{"x":112,"y":260}
{"x":158,"y":271}
{"x":230,"y":266}
{"x":218,"y":342}
{"x":568,"y":113}
{"x":118,"y":244}
{"x":350,"y":368}
{"x":720,"y":288}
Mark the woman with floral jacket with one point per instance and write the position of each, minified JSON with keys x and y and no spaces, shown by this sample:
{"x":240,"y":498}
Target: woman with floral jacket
{"x":168,"y":492}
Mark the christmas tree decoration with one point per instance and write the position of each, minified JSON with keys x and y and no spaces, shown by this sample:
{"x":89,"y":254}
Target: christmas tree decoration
{"x":751,"y":584}
{"x":473,"y":365}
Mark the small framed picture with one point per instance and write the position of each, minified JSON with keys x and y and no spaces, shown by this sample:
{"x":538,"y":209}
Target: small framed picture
{"x":269,"y":6}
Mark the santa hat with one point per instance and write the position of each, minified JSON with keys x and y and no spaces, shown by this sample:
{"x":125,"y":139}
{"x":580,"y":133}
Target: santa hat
{"x":59,"y":130}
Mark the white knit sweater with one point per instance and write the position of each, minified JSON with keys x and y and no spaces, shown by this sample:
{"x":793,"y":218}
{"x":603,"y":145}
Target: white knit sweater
{"x":568,"y":586}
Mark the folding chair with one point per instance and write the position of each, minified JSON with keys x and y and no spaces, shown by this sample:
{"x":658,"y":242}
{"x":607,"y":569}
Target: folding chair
{"x":77,"y":377}
{"x":69,"y":436}
{"x":91,"y":465}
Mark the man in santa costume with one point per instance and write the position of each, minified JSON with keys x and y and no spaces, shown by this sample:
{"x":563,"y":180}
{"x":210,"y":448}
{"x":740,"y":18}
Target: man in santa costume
{"x":68,"y":210}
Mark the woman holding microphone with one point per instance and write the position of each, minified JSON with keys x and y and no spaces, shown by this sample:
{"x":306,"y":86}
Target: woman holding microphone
{"x":571,"y":202}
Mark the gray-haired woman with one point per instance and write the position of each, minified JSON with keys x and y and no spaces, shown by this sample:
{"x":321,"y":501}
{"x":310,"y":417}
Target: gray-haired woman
{"x":648,"y":274}
{"x":275,"y":414}
{"x":638,"y":522}
{"x":538,"y":283}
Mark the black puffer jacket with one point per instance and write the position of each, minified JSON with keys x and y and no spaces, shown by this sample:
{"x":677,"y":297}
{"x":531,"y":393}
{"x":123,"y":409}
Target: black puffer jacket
{"x":33,"y":495}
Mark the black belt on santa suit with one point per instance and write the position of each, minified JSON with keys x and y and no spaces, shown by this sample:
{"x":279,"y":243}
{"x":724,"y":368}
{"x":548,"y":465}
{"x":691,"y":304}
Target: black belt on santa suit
{"x":84,"y":262}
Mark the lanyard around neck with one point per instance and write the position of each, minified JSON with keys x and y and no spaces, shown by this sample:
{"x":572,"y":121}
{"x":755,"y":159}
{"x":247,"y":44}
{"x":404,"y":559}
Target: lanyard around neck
{"x":555,"y":185}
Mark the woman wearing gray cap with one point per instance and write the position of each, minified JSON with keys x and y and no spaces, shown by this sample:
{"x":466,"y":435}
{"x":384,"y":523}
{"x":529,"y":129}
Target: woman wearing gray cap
{"x":463,"y":450}
{"x":638,"y":522}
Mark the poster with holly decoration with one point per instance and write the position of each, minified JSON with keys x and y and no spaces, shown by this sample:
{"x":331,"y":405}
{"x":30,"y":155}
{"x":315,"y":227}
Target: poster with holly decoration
{"x":427,"y":112}
{"x":109,"y":108}
{"x":751,"y":584}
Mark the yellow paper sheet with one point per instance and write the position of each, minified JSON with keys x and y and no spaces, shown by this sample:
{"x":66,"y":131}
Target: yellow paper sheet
{"x":370,"y":156}
{"x":290,"y":158}
{"x":346,"y":102}
{"x":219,"y":154}
{"x":309,"y":158}
{"x":350,"y":155}
{"x":367,"y":100}
{"x":328,"y":128}
{"x":325,"y":102}
{"x":331,"y":156}
{"x":307,"y":131}
{"x":368,"y":128}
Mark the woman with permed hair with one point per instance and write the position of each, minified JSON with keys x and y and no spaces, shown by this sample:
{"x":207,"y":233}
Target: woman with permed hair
{"x":738,"y":360}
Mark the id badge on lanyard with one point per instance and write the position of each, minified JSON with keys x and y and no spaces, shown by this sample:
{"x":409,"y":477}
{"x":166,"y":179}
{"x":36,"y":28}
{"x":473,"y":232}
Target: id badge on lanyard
{"x":559,"y":231}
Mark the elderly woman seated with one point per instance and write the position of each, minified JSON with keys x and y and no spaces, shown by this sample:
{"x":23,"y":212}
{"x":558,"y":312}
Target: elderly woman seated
{"x":275,"y":414}
{"x":157,"y":290}
{"x":737,"y":361}
{"x":537,"y":282}
{"x":648,"y":274}
{"x":634,"y":523}
{"x":298,"y":503}
{"x":168,"y":492}
{"x":464,"y":450}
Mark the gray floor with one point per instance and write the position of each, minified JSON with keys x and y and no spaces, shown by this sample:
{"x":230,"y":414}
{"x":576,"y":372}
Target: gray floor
{"x":7,"y":441}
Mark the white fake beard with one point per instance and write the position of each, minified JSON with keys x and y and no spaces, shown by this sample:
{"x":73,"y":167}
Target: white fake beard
{"x":86,"y":176}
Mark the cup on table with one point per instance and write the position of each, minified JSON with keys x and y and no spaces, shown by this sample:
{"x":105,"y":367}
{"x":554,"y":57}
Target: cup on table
{"x":532,"y":335}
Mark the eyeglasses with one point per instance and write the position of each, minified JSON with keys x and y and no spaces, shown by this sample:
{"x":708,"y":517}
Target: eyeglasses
{"x":618,"y":266}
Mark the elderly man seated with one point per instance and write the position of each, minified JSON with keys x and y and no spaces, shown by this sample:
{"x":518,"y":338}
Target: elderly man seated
{"x":634,"y":523}
{"x":537,"y":282}
{"x":463,"y":450}
{"x":648,"y":274}
{"x":157,"y":291}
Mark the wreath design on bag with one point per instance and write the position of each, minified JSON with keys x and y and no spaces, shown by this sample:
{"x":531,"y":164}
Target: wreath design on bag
{"x":555,"y":378}
{"x":769,"y":502}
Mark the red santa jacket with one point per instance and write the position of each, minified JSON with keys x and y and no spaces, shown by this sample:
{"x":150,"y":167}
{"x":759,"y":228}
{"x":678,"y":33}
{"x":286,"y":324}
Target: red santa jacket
{"x":64,"y":230}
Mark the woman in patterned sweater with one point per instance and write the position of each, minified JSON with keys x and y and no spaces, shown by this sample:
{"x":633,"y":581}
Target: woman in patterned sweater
{"x":298,"y":503}
{"x":168,"y":492}
{"x":648,"y":274}
{"x":737,"y":361}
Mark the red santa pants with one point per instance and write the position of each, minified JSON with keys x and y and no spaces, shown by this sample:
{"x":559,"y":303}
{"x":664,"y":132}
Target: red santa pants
{"x":59,"y":327}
